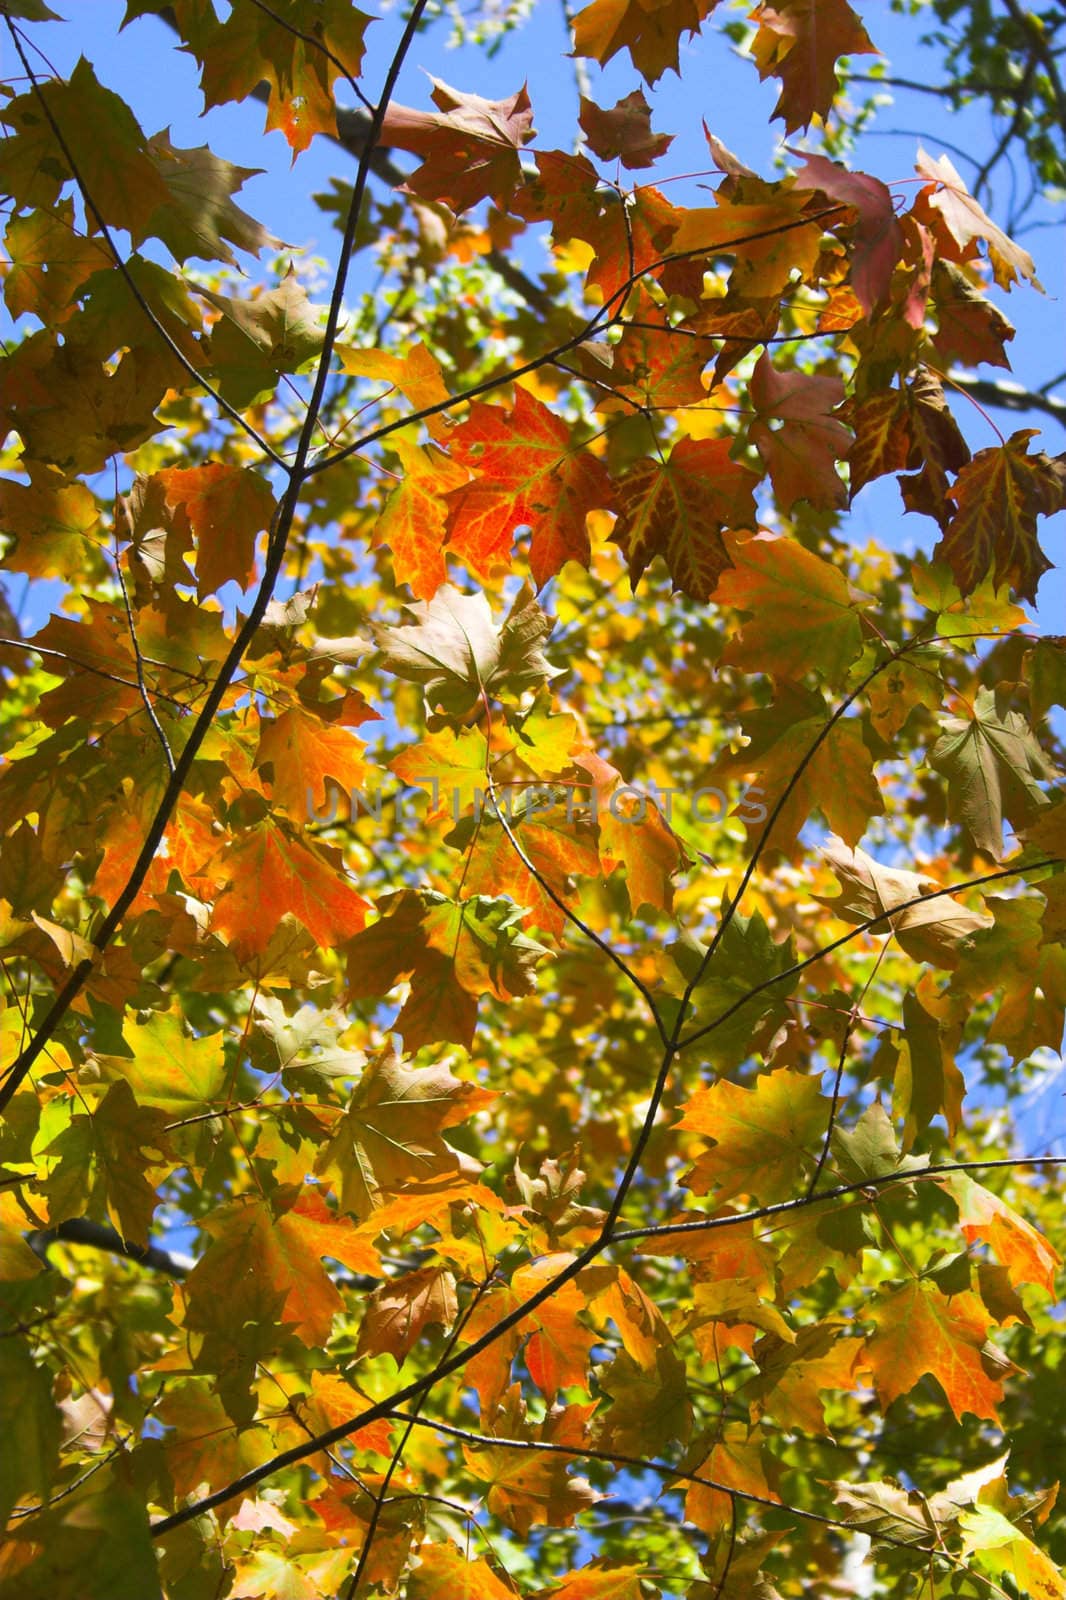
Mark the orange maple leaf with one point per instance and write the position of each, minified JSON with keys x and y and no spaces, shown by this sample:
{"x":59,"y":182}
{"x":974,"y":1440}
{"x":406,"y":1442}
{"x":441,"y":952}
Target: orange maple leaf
{"x":526,"y":471}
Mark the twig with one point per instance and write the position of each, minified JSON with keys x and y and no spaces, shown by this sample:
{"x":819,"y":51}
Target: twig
{"x":849,"y":1027}
{"x":138,"y":663}
{"x":604,"y":317}
{"x":87,"y":666}
{"x":557,"y":900}
{"x":102,"y":1236}
{"x":663,"y":1230}
{"x":639,"y":1463}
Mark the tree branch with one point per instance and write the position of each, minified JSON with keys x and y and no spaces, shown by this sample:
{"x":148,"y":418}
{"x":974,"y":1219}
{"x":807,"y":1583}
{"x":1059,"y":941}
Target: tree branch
{"x":1007,"y":396}
{"x":102,"y":1236}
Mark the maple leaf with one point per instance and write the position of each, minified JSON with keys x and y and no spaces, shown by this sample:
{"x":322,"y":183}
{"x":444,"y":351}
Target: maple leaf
{"x":727,"y":1315}
{"x":614,"y":1294}
{"x":600,"y":1581}
{"x":799,"y":41}
{"x":399,"y":1311}
{"x":930,"y":931}
{"x":266,"y":874}
{"x":792,"y":1378}
{"x":970,"y":329}
{"x":994,"y":768}
{"x":200,"y":216}
{"x":281,"y":1243}
{"x":457,"y":950}
{"x":525,"y":472}
{"x":920,"y":1330}
{"x":558,"y":1346}
{"x":304,"y":754}
{"x":1032,"y":975}
{"x":254,"y":45}
{"x":332,"y":1400}
{"x":936,"y":442}
{"x":627,"y":237}
{"x":965,"y":221}
{"x":255,"y":341}
{"x":442,"y":1573}
{"x":395,"y":949}
{"x":680,"y":510}
{"x":998,"y":496}
{"x":31,"y":1425}
{"x":168,"y":1067}
{"x":882,"y":442}
{"x":762,"y":225}
{"x":454,"y":765}
{"x":633,"y":834}
{"x":764,"y":1137}
{"x":416,"y":373}
{"x":838,"y":778}
{"x":555,"y":848}
{"x":1002,"y":1548}
{"x":526,"y":1487}
{"x":74,"y":413}
{"x":122,"y":1142}
{"x":1026,"y":1254}
{"x":746,"y":955}
{"x":458,"y":653}
{"x":878,"y":240}
{"x":623,"y":133}
{"x":649,"y":29}
{"x":645,"y":1402}
{"x":391,"y":1131}
{"x":650,"y":365}
{"x":93,"y":1545}
{"x":801,"y":451}
{"x":115,"y":165}
{"x":162,"y":750}
{"x":52,"y":521}
{"x":928,"y":1080}
{"x":205,"y":1446}
{"x":48,"y":260}
{"x":414,"y":521}
{"x":223,"y":508}
{"x":739,"y":1459}
{"x":803,"y":611}
{"x":470,"y":145}
{"x":884,"y":1508}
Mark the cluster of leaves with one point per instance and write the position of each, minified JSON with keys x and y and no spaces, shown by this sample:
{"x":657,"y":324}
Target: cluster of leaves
{"x":561,"y":1009}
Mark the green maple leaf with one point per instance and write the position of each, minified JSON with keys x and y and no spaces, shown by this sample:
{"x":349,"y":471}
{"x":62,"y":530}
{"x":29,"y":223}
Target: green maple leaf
{"x":255,"y":341}
{"x":746,"y":956}
{"x":994,"y":769}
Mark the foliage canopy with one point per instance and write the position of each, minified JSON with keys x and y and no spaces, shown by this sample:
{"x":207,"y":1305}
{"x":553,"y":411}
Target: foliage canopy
{"x":558,"y":930}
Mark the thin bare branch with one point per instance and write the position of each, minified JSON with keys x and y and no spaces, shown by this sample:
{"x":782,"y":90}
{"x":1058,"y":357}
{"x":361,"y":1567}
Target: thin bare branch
{"x":138,"y":661}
